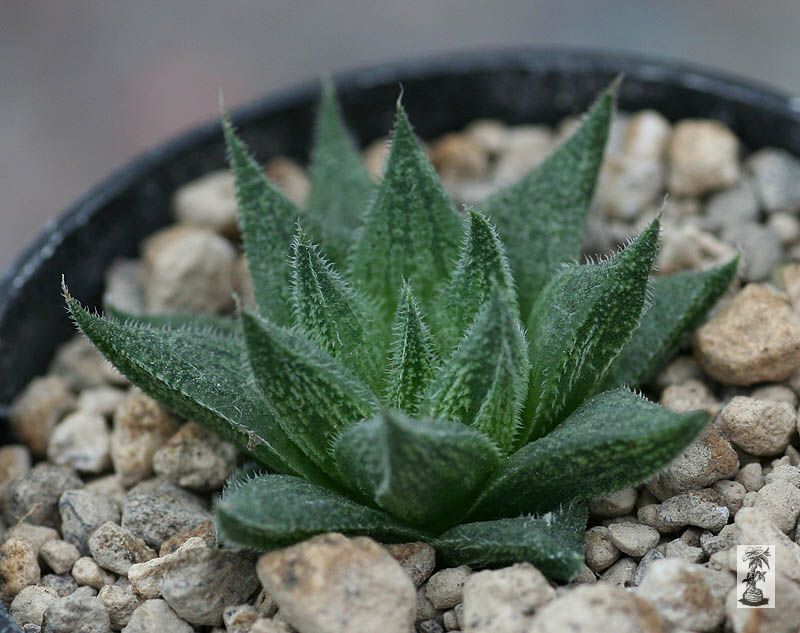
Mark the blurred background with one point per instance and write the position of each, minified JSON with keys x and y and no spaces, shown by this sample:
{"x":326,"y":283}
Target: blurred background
{"x":85,"y":85}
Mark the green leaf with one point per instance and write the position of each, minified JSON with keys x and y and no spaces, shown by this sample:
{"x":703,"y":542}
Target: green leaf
{"x":412,"y":356}
{"x":219,"y":325}
{"x":680,"y":302}
{"x":541,"y":217}
{"x":332,"y":313}
{"x":314,"y":398}
{"x":266,"y":219}
{"x":614,"y":440}
{"x":580,"y":323}
{"x":410,"y":231}
{"x":340,"y":184}
{"x":481,"y":265}
{"x":272,"y":511}
{"x":201,"y":374}
{"x":484,"y":383}
{"x":553,"y":542}
{"x":426,"y":472}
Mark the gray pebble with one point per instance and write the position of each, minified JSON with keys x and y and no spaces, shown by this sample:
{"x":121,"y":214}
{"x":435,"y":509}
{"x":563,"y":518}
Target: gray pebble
{"x":761,"y":247}
{"x":82,"y":512}
{"x":34,"y":496}
{"x":79,"y":612}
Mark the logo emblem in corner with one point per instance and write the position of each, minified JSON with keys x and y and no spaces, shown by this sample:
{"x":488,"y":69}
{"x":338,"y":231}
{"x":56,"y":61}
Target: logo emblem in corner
{"x":755,"y":576}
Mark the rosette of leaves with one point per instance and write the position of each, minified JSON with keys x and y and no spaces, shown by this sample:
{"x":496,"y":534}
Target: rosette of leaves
{"x":411,"y":372}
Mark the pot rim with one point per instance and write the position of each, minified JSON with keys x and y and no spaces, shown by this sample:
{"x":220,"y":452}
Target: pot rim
{"x":718,"y":83}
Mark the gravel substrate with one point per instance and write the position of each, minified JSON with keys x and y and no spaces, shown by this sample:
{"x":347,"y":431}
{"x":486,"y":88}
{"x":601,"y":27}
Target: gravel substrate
{"x":106,"y":521}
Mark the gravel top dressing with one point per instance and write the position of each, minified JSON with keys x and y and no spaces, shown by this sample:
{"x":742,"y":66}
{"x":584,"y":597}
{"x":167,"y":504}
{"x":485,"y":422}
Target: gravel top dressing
{"x":107,"y":519}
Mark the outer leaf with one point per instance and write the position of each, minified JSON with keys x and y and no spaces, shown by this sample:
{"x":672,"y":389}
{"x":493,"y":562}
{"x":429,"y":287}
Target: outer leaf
{"x":266,"y":219}
{"x":313,"y":397}
{"x":614,"y":440}
{"x":272,"y":511}
{"x":679,"y":304}
{"x":427,"y":472}
{"x":481,"y":265}
{"x":411,"y":231}
{"x":340,"y":184}
{"x":200,"y":374}
{"x":413,"y":357}
{"x":541,"y":217}
{"x":219,"y":325}
{"x":553,"y":542}
{"x":332,"y":313}
{"x":485,"y":381}
{"x":578,"y":326}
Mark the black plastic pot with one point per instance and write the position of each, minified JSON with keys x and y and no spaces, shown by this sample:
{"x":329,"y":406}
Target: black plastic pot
{"x":442,"y":94}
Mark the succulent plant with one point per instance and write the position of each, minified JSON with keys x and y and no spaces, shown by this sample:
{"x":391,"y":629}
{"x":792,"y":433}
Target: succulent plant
{"x":456,"y":378}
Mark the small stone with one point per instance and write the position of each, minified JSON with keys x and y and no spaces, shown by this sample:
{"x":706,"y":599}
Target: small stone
{"x":18,"y":568}
{"x":646,"y":135}
{"x":731,"y":494}
{"x":120,"y":604}
{"x":208,"y":202}
{"x":458,"y":158}
{"x":188,"y":270}
{"x":200,"y":582}
{"x":780,"y":501}
{"x":687,"y":247}
{"x":62,"y":584}
{"x":527,"y":146}
{"x":109,"y":486}
{"x":621,"y":573}
{"x":83,"y":511}
{"x":30,"y":604}
{"x":239,"y":618}
{"x":141,"y":427}
{"x":731,"y":206}
{"x":700,"y":508}
{"x":88,"y":573}
{"x":445,"y":587}
{"x":601,"y":553}
{"x":36,"y":411}
{"x":708,"y":459}
{"x":424,"y":607}
{"x":418,"y":559}
{"x":290,"y":179}
{"x":786,"y":227}
{"x":491,"y":135}
{"x":59,"y":556}
{"x":123,"y":288}
{"x":504,"y":599}
{"x":751,"y":476}
{"x":760,"y":245}
{"x":332,"y":584}
{"x":679,"y":370}
{"x":79,"y":612}
{"x":36,"y":535}
{"x":633,"y":539}
{"x":692,"y":395}
{"x":686,"y":595}
{"x":585,"y":576}
{"x":785,"y":472}
{"x":628,"y":184}
{"x":760,"y":427}
{"x":712,"y":543}
{"x":755,"y":338}
{"x":375,"y":156}
{"x":33,"y":497}
{"x":265,"y":625}
{"x":15,"y":461}
{"x":204,"y":530}
{"x":598,"y":607}
{"x":776,"y":174}
{"x":615,"y":504}
{"x":83,"y":366}
{"x":146,"y":578}
{"x":157,"y":509}
{"x":429,"y":626}
{"x":703,"y":156}
{"x":156,"y":615}
{"x":195,"y":457}
{"x":680,"y":549}
{"x":101,"y":400}
{"x":644,"y":565}
{"x":776,"y":393}
{"x":115,"y":548}
{"x":80,"y":440}
{"x":648,"y":515}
